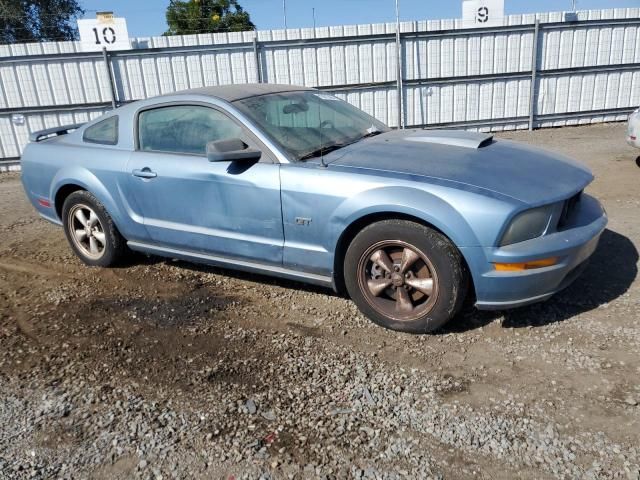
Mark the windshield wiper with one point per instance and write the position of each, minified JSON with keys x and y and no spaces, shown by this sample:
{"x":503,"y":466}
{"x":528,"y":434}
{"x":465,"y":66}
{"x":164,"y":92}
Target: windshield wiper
{"x":330,"y":148}
{"x":371,"y":134}
{"x":323,"y":150}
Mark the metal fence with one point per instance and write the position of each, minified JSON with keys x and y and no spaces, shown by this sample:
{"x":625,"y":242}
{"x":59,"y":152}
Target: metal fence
{"x":534,"y":71}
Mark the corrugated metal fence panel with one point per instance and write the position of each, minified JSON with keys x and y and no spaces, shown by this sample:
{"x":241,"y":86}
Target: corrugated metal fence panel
{"x":62,"y":82}
{"x":143,"y":76}
{"x":477,"y":54}
{"x":607,"y":45}
{"x":452,"y":75}
{"x":13,"y":138}
{"x":466,"y":102}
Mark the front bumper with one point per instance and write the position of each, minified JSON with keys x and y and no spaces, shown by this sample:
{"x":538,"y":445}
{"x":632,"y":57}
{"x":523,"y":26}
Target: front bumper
{"x":496,"y":290}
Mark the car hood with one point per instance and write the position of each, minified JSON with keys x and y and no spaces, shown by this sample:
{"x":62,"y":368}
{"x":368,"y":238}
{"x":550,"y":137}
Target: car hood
{"x":519,"y":171}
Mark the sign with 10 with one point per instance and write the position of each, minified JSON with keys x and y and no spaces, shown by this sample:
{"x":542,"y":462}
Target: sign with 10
{"x":104,"y":32}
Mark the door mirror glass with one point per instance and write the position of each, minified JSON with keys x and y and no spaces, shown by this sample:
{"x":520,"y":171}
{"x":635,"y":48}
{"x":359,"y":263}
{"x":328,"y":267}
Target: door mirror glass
{"x":232,"y":150}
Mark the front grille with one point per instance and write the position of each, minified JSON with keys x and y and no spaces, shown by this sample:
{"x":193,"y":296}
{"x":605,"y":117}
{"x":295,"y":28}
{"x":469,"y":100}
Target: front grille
{"x":568,"y":209}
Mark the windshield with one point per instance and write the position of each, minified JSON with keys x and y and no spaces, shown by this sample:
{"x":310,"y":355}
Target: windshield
{"x":308,"y":123}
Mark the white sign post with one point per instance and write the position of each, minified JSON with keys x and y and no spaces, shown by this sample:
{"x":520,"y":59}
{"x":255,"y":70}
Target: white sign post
{"x":482,"y":13}
{"x":104,"y":32}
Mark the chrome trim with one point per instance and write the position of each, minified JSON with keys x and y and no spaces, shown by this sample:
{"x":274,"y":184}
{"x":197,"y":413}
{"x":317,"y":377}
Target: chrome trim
{"x":233,"y":263}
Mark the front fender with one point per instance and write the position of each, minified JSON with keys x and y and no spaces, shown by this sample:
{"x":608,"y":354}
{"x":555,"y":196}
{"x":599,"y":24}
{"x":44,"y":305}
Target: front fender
{"x":406,"y":201}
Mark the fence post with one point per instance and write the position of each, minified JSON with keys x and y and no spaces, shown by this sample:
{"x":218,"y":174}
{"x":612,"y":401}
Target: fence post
{"x":533,"y":100}
{"x":107,"y":65}
{"x":400,"y":83}
{"x":256,"y":54}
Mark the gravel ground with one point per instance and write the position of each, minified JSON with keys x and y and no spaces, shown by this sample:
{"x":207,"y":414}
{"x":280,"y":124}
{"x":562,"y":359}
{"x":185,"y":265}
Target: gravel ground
{"x":163,"y":369}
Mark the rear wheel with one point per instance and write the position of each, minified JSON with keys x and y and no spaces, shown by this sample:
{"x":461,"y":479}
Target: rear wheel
{"x":90,"y":230}
{"x":405,"y":276}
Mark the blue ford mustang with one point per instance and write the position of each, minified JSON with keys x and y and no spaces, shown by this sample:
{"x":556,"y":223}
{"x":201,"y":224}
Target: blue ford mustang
{"x":296,"y":183}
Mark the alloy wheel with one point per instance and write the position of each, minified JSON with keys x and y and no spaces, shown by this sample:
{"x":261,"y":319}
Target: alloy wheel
{"x":398,"y":280}
{"x":87,"y":231}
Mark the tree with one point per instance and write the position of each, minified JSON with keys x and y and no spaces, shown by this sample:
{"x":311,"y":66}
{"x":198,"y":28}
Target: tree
{"x":206,"y":16}
{"x":38,"y":20}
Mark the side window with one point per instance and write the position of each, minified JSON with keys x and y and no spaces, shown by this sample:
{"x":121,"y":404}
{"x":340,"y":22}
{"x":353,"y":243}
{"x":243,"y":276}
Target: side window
{"x":184,"y":129}
{"x":104,"y":132}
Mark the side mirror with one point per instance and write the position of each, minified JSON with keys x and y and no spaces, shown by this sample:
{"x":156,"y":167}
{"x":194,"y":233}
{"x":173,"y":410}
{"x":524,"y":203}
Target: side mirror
{"x":233,"y":150}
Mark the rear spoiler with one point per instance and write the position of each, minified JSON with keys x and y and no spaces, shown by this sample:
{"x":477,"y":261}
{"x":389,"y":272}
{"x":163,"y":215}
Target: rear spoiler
{"x":50,"y":132}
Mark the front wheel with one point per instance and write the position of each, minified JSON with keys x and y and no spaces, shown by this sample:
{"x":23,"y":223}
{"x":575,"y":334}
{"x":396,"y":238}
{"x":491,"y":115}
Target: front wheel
{"x":405,"y":276}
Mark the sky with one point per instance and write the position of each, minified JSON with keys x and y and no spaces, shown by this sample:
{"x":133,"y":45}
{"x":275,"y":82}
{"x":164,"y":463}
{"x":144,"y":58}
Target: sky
{"x":147,"y":17}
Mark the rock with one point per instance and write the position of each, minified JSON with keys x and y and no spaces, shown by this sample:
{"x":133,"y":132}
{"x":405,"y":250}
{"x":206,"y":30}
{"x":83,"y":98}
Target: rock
{"x":268,"y":415}
{"x":251,"y":407}
{"x":368,"y":398}
{"x":369,"y":431}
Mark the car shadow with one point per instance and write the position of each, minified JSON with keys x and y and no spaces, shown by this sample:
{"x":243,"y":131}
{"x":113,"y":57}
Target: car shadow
{"x":138,"y":258}
{"x":611,"y":271}
{"x":638,"y":161}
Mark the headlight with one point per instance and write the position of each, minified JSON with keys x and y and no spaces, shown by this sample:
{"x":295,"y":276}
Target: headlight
{"x":527,"y":225}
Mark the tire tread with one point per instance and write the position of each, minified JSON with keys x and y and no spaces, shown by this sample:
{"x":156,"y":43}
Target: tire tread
{"x":455,"y":289}
{"x":116,"y":244}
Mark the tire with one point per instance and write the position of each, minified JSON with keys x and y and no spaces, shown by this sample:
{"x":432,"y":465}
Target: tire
{"x":420,"y":261}
{"x":101,"y":244}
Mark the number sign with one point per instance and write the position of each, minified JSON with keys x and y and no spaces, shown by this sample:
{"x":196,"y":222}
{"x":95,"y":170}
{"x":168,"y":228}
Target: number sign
{"x":482,"y":13}
{"x":96,"y":34}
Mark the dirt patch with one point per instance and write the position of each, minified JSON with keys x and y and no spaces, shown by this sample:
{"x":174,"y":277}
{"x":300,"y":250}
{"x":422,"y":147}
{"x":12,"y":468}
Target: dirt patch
{"x":167,"y":368}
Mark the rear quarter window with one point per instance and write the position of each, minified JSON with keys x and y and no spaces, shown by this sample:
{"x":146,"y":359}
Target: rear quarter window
{"x":104,"y":132}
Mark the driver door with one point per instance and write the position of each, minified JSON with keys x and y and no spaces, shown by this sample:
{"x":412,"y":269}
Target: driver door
{"x":230,"y":209}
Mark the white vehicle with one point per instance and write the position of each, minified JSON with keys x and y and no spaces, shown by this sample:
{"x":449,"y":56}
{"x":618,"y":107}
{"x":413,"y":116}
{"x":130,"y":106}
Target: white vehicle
{"x":633,"y":131}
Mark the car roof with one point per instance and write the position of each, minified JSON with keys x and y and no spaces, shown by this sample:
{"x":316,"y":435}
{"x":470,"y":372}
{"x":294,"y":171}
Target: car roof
{"x":231,"y":93}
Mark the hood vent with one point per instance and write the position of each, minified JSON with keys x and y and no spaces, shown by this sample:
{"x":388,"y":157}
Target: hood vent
{"x":453,"y":138}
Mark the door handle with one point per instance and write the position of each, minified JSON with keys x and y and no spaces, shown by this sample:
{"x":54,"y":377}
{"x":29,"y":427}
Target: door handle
{"x":144,"y":173}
